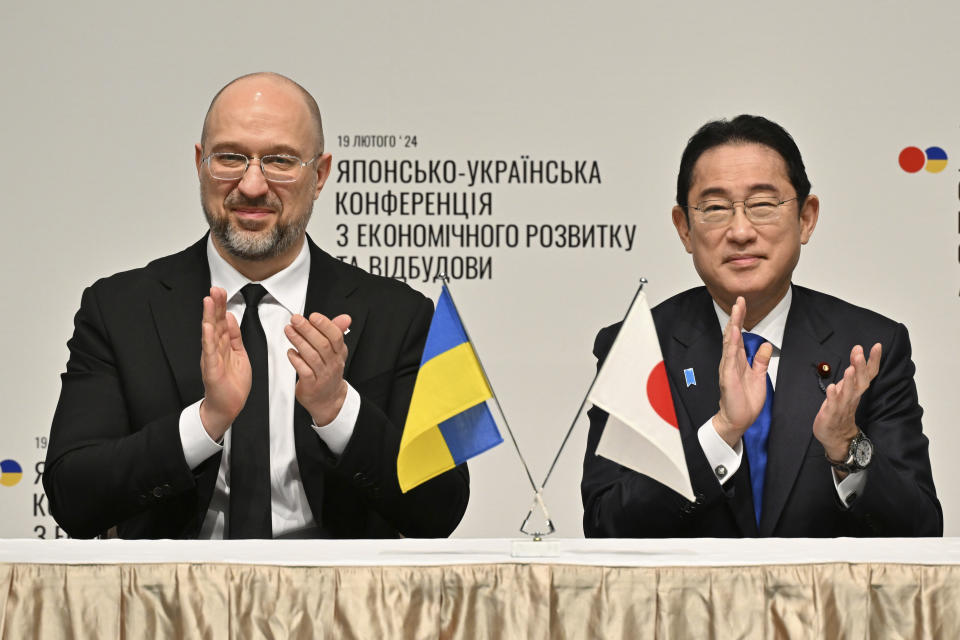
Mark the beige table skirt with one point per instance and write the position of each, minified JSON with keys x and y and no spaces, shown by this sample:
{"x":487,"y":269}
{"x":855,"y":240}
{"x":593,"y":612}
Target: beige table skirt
{"x":478,"y":601}
{"x":538,"y":599}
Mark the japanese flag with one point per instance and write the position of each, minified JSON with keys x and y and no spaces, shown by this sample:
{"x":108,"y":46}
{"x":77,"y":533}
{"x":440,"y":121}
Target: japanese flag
{"x":632,"y":387}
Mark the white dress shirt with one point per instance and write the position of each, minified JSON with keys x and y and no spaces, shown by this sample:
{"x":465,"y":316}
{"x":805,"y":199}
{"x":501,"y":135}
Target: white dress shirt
{"x":286,"y":295}
{"x":719,"y":454}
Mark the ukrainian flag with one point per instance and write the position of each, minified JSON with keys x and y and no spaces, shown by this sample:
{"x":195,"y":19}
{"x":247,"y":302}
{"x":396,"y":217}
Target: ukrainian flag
{"x":10,"y":472}
{"x":449,"y":420}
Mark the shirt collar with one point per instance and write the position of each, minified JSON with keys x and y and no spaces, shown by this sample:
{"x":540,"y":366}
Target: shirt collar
{"x":287,"y":287}
{"x":771,"y":326}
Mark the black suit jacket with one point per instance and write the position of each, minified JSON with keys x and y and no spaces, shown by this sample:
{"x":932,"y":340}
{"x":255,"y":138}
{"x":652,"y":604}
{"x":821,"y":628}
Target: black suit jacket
{"x":115,"y":456}
{"x":799,"y":497}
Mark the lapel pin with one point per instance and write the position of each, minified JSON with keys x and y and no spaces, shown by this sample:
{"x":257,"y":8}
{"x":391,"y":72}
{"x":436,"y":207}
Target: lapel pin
{"x":690,"y":379}
{"x":823,"y":372}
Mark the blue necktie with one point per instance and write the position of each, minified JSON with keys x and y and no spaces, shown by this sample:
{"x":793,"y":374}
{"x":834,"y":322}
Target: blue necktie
{"x":755,"y":439}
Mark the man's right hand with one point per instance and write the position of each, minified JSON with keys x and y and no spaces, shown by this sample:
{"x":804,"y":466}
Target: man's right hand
{"x":224,"y":366}
{"x":743,"y":389}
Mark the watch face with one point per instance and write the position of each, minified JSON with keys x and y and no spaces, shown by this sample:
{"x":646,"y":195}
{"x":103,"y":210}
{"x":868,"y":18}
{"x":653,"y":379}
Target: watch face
{"x":863,"y":453}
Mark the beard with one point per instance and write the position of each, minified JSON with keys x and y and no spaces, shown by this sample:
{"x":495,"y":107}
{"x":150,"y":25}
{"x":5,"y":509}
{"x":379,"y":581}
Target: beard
{"x":256,"y":244}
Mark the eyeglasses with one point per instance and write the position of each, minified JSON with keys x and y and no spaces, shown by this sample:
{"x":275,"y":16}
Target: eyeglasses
{"x":758,"y":209}
{"x":275,"y":168}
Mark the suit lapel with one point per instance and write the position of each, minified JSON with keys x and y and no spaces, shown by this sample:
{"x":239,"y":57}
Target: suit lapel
{"x":330,"y":292}
{"x":697,"y":343}
{"x":177,"y":308}
{"x":797,"y":399}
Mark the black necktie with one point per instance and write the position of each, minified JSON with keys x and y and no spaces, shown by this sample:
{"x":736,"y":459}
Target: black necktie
{"x":250,"y":434}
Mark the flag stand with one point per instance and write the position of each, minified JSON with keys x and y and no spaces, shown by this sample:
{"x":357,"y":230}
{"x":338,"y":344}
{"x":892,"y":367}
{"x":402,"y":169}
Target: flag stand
{"x":537,"y":536}
{"x":538,"y":494}
{"x":538,"y":502}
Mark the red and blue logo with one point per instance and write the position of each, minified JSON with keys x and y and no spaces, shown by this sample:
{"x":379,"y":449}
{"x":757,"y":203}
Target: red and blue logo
{"x":933,"y":159}
{"x":10,"y":473}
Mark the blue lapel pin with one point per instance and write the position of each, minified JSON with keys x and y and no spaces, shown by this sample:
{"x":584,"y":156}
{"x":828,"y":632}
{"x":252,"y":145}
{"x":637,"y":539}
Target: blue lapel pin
{"x":690,"y":379}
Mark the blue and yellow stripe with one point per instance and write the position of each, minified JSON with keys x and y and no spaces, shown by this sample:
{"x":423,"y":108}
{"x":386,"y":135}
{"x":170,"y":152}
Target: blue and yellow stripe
{"x":10,"y":473}
{"x":936,"y":159}
{"x":448,"y":421}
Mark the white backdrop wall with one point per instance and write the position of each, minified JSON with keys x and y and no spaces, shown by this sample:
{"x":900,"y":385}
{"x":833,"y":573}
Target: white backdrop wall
{"x":102,"y":105}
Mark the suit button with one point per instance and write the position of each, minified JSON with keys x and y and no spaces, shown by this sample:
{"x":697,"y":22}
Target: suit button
{"x":157,"y":492}
{"x":360,"y":478}
{"x":721,"y":471}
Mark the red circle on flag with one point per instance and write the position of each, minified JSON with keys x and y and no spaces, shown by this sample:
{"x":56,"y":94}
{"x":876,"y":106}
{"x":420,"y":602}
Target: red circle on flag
{"x":912,"y":159}
{"x":658,"y":393}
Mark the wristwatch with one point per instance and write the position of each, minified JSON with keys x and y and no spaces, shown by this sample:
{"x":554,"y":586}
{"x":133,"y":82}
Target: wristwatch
{"x":858,"y":457}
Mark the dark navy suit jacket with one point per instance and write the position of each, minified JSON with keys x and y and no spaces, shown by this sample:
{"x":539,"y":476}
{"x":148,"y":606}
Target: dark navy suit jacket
{"x":799,"y":497}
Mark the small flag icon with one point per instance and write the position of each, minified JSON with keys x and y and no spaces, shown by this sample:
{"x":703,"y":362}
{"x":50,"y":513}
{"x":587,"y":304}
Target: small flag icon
{"x":10,"y":473}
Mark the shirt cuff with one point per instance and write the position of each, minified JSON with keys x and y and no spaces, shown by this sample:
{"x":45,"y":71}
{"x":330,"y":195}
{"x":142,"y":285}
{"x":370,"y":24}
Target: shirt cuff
{"x":337,"y":434}
{"x":723,"y":460}
{"x":850,"y":487}
{"x":197,"y":443}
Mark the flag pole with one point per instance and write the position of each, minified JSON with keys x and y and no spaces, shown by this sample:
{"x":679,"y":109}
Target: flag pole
{"x":503,"y":416}
{"x":538,"y":497}
{"x":563,"y":444}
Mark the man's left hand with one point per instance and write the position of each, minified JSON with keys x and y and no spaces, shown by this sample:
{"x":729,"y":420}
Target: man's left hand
{"x":319,"y":356}
{"x":835,"y":424}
